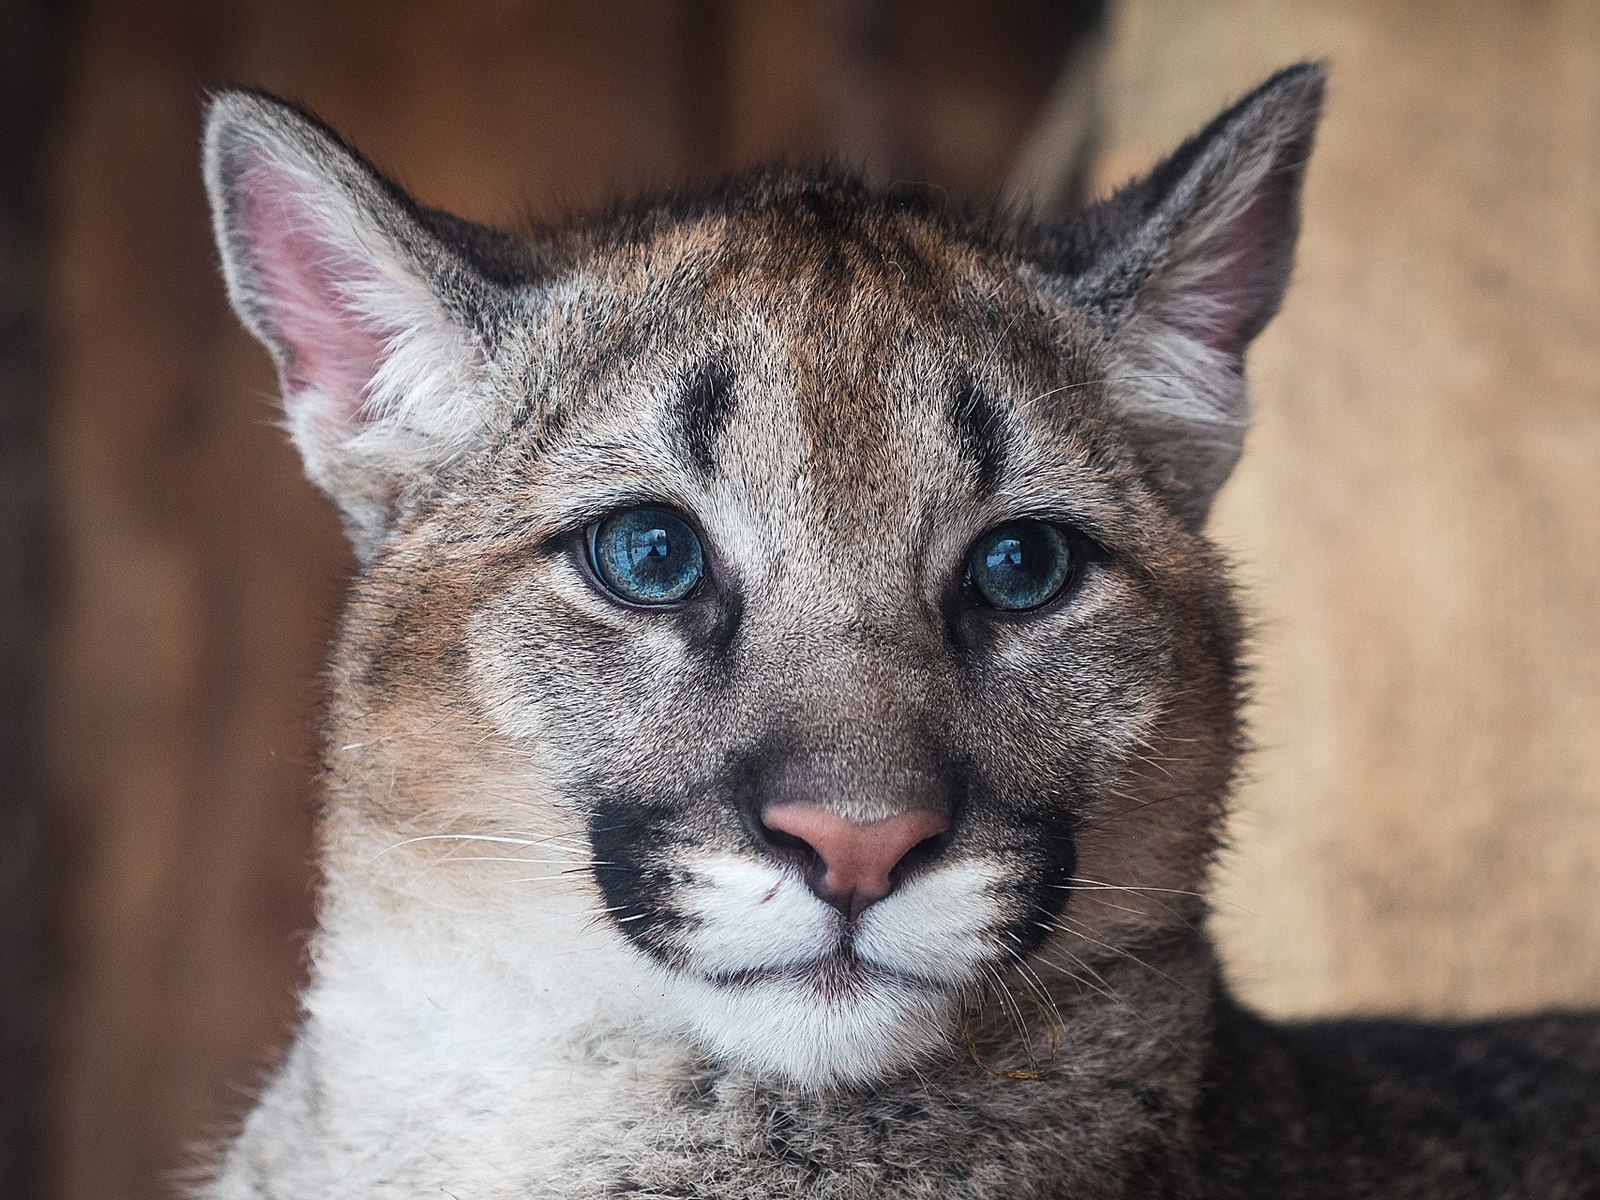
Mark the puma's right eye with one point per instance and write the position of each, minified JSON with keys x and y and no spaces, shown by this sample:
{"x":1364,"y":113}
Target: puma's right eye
{"x":646,"y":556}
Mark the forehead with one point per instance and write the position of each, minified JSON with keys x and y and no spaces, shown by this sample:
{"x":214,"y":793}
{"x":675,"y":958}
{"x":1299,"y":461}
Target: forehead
{"x":863,"y":358}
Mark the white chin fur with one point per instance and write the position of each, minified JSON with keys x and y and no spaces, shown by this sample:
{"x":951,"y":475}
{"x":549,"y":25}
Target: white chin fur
{"x":843,"y":1033}
{"x":828,"y":1024}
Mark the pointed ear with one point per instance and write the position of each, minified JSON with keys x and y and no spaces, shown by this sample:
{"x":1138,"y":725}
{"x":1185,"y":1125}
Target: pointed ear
{"x":1182,"y":269}
{"x":374,"y":309}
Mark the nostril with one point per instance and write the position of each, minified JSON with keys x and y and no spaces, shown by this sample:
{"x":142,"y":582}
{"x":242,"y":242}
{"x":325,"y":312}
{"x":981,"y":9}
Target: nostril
{"x":790,"y":846}
{"x":927,"y":849}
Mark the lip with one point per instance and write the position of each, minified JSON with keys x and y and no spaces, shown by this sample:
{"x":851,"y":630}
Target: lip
{"x":838,"y":975}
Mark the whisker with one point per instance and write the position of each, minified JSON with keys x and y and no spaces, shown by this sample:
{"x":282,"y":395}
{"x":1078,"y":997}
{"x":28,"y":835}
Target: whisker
{"x":1151,"y":894}
{"x":457,"y":837}
{"x":533,"y":862}
{"x":1066,"y":924}
{"x":1075,"y":881}
{"x":1102,"y":379}
{"x":1008,"y":1002}
{"x":1101,"y":986}
{"x":1036,"y":986}
{"x":1103,"y":821}
{"x":560,"y":876}
{"x":1100,"y":900}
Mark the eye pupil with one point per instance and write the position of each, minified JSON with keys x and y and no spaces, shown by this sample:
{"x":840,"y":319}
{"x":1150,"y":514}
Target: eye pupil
{"x":1020,"y":565}
{"x":646,"y":556}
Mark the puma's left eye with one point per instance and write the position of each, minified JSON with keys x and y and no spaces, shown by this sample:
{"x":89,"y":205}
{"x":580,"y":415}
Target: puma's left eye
{"x":646,"y":556}
{"x":1020,"y":565}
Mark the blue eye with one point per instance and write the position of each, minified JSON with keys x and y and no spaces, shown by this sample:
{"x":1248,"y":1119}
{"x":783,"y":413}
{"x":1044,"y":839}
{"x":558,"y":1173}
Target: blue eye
{"x":1020,"y":565}
{"x":646,"y":556}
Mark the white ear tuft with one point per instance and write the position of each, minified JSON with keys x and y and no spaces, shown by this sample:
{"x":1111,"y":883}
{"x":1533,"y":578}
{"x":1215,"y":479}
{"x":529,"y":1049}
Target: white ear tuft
{"x":373,"y":321}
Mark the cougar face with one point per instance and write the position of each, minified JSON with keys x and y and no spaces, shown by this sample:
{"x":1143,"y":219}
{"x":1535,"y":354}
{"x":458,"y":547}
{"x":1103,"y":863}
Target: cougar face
{"x":807,"y":580}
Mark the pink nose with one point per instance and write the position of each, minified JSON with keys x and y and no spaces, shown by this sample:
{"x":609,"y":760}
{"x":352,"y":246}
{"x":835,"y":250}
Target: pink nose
{"x":854,"y":859}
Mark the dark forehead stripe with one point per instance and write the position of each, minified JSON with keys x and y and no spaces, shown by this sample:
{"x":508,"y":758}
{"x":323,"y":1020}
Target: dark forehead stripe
{"x":702,"y":410}
{"x":980,"y":432}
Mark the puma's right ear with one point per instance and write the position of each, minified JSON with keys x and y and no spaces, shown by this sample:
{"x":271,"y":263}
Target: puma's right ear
{"x":376,"y":322}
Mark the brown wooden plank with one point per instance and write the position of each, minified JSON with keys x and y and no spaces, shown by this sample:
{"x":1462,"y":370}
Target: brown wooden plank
{"x":934,"y":91}
{"x":29,"y":58}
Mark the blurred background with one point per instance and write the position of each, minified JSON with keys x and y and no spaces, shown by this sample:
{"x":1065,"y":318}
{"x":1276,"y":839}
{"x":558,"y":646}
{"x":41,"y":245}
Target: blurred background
{"x":1417,"y":519}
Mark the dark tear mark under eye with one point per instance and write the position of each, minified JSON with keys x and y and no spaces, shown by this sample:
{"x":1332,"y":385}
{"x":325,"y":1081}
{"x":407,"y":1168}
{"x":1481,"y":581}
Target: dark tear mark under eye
{"x":980,"y":432}
{"x":703,"y":409}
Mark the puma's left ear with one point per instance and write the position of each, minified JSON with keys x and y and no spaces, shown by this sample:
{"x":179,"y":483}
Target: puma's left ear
{"x":1183,"y":268}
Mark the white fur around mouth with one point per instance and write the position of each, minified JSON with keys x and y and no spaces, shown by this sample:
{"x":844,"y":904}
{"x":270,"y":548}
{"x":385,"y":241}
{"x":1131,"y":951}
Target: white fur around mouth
{"x":754,"y":922}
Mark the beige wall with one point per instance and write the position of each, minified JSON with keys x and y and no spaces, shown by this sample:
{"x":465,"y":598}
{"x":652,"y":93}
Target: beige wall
{"x":1417,"y":518}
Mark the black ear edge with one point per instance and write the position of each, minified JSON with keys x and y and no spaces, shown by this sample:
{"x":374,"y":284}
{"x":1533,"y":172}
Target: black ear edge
{"x":1074,"y":248}
{"x":1112,"y":262}
{"x":238,"y":116}
{"x":1285,"y":112}
{"x":1290,"y":99}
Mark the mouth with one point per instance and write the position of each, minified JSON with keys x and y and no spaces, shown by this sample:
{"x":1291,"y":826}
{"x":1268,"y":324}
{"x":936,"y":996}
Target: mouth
{"x":839,"y":976}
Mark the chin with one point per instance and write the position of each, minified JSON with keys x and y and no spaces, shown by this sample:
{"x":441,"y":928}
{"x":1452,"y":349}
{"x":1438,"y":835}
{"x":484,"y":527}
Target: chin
{"x":826,"y":1025}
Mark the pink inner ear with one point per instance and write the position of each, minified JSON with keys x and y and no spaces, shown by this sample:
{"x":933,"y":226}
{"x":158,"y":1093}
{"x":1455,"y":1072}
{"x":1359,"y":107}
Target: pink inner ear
{"x":304,"y":276}
{"x":1253,"y":247}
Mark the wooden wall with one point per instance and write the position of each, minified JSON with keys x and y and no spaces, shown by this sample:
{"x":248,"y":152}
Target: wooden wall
{"x":1418,"y":520}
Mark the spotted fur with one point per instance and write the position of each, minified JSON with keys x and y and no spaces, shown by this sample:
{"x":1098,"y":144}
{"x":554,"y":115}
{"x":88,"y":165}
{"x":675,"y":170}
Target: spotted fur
{"x":557,"y":957}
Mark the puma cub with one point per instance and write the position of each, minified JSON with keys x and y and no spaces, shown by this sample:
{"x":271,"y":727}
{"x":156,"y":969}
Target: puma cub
{"x":781,"y":727}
